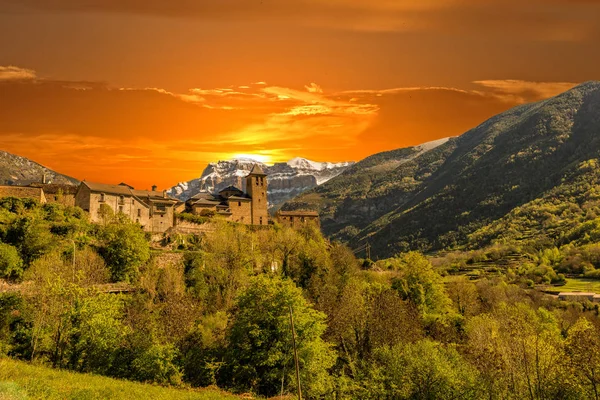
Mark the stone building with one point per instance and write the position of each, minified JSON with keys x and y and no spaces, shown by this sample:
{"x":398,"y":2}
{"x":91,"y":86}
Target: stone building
{"x":152,"y":209}
{"x":57,"y":193}
{"x":233,"y":204}
{"x":297,"y":218}
{"x":23,"y":192}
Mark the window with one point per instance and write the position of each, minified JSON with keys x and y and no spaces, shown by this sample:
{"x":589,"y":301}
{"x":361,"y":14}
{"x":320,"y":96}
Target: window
{"x":260,"y":221}
{"x":102,"y":197}
{"x":161,"y":208}
{"x":120,"y":209}
{"x":121,"y":199}
{"x":139,"y":212}
{"x":239,"y":203}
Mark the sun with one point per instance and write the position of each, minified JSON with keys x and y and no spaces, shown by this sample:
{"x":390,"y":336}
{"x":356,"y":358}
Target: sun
{"x":263,"y":158}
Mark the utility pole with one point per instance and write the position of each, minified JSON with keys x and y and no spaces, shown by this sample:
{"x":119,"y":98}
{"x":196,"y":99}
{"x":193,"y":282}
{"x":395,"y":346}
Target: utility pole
{"x":295,"y":355}
{"x":73,"y":266}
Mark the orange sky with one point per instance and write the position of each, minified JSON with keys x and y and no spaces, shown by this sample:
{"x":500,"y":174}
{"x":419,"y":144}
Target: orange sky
{"x":149,"y":91}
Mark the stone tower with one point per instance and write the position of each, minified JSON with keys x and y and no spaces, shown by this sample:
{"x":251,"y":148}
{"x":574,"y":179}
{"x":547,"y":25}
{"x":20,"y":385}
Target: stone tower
{"x":256,"y":187}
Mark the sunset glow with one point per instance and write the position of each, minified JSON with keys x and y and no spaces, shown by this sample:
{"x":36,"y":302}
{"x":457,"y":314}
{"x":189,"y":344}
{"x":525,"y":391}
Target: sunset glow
{"x":149,"y":93}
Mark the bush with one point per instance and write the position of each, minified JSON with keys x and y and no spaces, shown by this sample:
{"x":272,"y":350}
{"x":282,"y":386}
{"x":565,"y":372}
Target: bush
{"x":11,"y":264}
{"x":125,"y":249}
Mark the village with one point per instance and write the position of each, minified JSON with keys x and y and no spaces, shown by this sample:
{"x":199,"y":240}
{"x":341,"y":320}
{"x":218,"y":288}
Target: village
{"x":157,"y":212}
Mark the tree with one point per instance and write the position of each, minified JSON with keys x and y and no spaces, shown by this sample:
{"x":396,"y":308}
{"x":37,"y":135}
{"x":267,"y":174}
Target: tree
{"x":260,"y":357}
{"x":418,"y":283}
{"x":583,"y":349}
{"x":11,"y":265}
{"x":427,"y":370}
{"x":97,"y":332}
{"x":125,"y":249}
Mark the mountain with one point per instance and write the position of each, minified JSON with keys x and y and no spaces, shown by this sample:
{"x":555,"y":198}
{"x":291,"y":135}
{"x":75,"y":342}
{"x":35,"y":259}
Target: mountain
{"x":441,"y":196}
{"x":17,"y":170}
{"x":286,"y":180}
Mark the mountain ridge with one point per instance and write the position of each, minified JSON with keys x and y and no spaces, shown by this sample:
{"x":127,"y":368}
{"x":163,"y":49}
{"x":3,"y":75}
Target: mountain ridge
{"x":18,"y":170}
{"x":286,"y":179}
{"x":444,"y":194}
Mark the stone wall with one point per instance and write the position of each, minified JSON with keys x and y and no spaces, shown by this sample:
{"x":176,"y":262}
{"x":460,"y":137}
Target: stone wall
{"x":23,"y":193}
{"x":189,"y":228}
{"x":241,"y":211}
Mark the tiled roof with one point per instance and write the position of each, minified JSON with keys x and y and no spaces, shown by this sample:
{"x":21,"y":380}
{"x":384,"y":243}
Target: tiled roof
{"x":105,"y":188}
{"x":153,"y":195}
{"x":203,"y":195}
{"x":257,"y":170}
{"x":205,"y":202}
{"x":239,"y":198}
{"x":230,"y":189}
{"x":124,"y":190}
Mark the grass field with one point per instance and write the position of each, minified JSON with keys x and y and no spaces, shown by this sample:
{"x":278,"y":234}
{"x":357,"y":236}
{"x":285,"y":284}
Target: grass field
{"x":20,"y":380}
{"x":578,"y":285}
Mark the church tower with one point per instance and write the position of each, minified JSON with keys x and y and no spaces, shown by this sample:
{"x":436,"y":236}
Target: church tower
{"x":256,"y":187}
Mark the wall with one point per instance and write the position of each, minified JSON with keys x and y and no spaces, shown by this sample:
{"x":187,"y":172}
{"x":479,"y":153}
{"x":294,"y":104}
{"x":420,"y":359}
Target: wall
{"x":297,"y":221}
{"x":161,"y":221}
{"x":187,"y":227}
{"x":65,"y":199}
{"x":241,"y":211}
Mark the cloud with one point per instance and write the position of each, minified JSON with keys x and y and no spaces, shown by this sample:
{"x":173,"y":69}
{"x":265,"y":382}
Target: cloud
{"x":314,"y":88}
{"x":93,"y":131}
{"x":519,"y":91}
{"x":15,"y":73}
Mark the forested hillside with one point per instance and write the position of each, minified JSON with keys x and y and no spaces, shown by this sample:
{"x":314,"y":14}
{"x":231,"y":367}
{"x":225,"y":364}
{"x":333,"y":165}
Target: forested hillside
{"x":218,"y":312}
{"x":436,"y":200}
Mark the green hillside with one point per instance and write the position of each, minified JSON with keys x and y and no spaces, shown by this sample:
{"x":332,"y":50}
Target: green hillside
{"x":20,"y":380}
{"x":440,"y":197}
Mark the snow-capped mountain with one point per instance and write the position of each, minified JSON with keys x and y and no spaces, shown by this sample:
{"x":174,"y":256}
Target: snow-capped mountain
{"x":286,"y":180}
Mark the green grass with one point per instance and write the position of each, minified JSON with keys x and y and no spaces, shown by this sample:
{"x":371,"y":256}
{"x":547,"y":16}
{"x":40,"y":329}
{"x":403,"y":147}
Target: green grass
{"x":20,"y":380}
{"x":578,"y":285}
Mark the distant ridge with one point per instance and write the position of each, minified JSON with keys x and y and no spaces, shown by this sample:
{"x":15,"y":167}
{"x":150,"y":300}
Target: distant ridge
{"x":286,"y":180}
{"x":17,"y":170}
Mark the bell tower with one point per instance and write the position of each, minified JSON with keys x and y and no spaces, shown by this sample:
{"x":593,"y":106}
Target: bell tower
{"x":256,"y":187}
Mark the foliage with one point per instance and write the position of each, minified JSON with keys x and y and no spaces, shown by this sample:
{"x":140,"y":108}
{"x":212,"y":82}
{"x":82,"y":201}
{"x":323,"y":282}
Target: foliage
{"x":427,"y":370}
{"x":11,"y":265}
{"x":125,"y":249}
{"x":260,"y":351}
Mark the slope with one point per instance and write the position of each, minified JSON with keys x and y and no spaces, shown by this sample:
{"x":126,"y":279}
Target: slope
{"x":17,"y":170}
{"x":473,"y":180}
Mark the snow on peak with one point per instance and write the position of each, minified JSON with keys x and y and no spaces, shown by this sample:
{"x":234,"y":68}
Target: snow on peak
{"x":303,"y":163}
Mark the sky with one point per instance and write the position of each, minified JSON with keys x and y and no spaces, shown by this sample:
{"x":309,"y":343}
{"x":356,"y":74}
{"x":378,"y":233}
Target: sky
{"x":150,"y":91}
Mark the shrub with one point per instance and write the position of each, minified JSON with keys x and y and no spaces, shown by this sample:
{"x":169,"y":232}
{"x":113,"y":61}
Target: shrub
{"x":11,"y":264}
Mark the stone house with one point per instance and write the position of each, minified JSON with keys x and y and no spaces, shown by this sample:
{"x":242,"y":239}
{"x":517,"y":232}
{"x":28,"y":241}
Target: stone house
{"x":297,"y":218}
{"x":57,"y":193}
{"x":152,"y":209}
{"x":231,"y":203}
{"x":23,"y":192}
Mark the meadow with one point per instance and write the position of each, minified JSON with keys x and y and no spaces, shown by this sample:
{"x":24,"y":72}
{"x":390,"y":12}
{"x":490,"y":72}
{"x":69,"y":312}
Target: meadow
{"x":21,"y":380}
